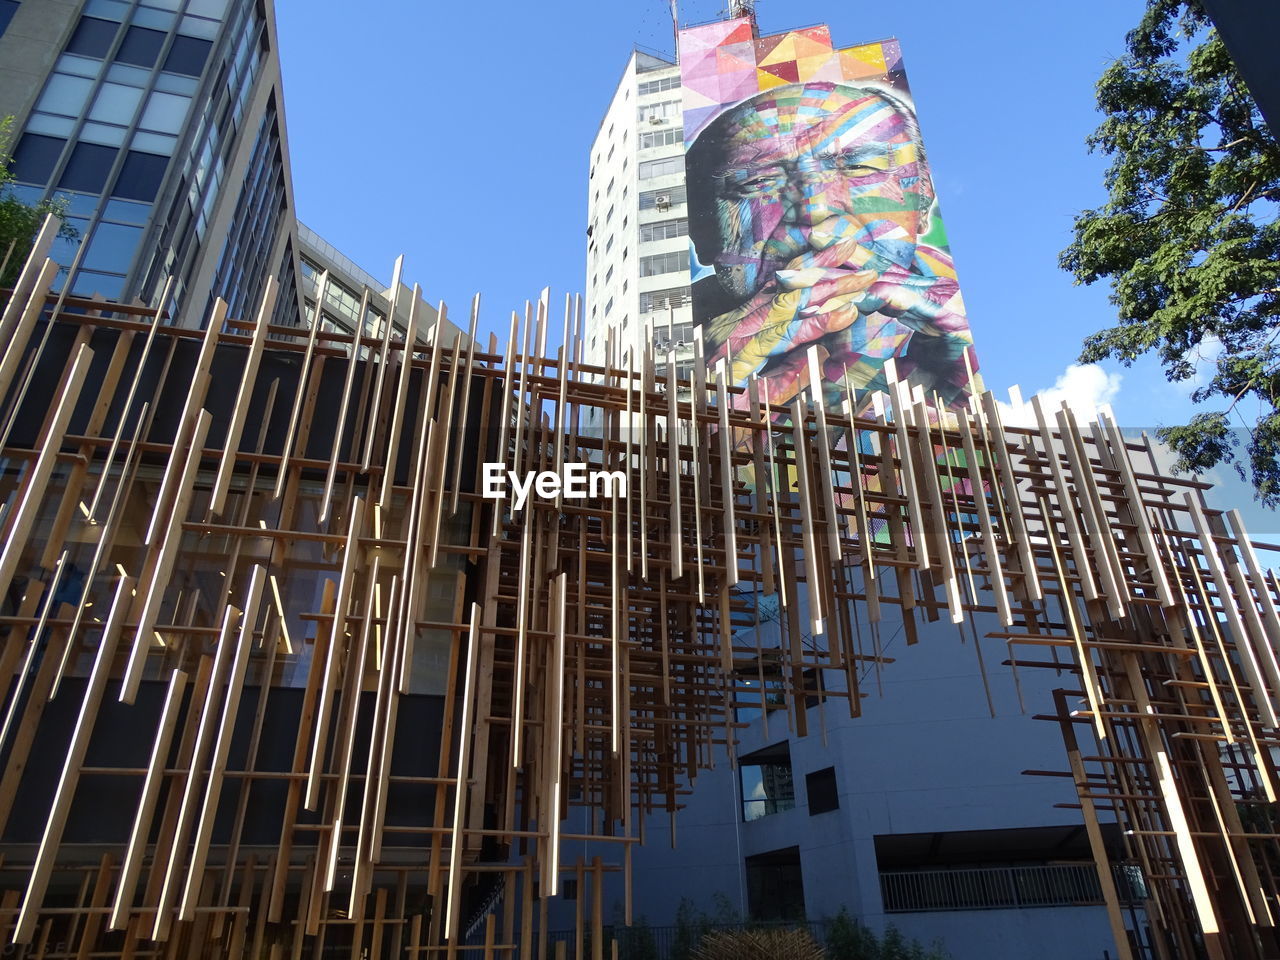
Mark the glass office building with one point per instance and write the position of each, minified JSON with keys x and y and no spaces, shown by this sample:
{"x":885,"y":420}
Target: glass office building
{"x":159,"y":125}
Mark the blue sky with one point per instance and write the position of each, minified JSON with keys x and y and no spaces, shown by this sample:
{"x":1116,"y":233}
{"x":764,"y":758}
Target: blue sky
{"x":458,"y":133}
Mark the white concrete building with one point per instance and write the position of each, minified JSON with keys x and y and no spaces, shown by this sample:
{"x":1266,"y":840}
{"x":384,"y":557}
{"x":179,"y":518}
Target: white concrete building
{"x":637,"y":233}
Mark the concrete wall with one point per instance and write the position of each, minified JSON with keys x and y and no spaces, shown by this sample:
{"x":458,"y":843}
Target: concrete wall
{"x":28,"y":50}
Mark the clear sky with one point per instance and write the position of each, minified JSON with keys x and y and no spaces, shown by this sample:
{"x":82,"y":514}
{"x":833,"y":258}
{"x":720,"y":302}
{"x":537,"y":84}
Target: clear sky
{"x":457,"y":133}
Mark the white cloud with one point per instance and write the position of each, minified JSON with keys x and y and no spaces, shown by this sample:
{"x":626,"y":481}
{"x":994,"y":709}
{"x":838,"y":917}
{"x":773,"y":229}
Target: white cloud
{"x":1084,"y":387}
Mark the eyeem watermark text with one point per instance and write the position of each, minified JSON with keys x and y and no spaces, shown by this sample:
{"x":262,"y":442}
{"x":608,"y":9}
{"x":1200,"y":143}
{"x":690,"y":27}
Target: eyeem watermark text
{"x":575,"y":482}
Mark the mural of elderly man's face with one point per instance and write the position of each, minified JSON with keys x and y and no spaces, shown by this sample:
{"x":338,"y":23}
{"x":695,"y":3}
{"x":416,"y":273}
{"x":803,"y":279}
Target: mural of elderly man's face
{"x":798,"y":167}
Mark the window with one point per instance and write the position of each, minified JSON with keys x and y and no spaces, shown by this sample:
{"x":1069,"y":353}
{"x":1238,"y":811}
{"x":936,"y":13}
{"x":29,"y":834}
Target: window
{"x":661,"y":138}
{"x":608,"y":306}
{"x":654,"y":300}
{"x":775,"y":885}
{"x":664,"y":230}
{"x":140,"y":177}
{"x":661,"y":168}
{"x":609,"y":216}
{"x":88,"y":167}
{"x":140,"y":46}
{"x":607,"y":274}
{"x":668,"y":335}
{"x":821,"y":788}
{"x":65,"y":95}
{"x":767,"y":786}
{"x":608,"y":244}
{"x":35,"y":157}
{"x":657,"y":86}
{"x":657,"y":113}
{"x":187,"y":56}
{"x":165,"y":112}
{"x":112,"y":248}
{"x":670,"y":197}
{"x":609,"y":189}
{"x":92,"y":37}
{"x":115,"y":103}
{"x":7,"y":9}
{"x":671,"y":262}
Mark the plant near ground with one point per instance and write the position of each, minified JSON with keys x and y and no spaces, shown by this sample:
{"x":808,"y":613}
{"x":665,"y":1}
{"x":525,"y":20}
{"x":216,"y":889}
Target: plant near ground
{"x":758,"y":944}
{"x":848,"y":939}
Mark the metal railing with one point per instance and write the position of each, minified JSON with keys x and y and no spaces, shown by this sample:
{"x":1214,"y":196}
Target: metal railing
{"x":1004,"y":888}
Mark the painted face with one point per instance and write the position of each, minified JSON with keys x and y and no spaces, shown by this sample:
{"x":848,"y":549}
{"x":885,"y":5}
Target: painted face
{"x":839,"y":159}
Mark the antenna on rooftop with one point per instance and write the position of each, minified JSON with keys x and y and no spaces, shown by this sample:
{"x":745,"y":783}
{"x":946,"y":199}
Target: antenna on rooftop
{"x":744,"y":8}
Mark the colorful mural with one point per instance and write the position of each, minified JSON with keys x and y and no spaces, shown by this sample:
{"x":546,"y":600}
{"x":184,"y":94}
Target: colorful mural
{"x":813,"y":218}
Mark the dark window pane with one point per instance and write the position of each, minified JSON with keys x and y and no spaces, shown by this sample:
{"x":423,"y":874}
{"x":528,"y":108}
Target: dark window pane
{"x":823,"y":793}
{"x":140,"y":47}
{"x":140,"y":176}
{"x":88,"y":167}
{"x":92,"y":37}
{"x":187,"y":55}
{"x":7,"y":9}
{"x":36,"y":157}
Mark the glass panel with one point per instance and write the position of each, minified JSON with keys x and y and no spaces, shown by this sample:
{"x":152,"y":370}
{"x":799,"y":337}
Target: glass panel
{"x":26,"y":194}
{"x":7,"y":9}
{"x":140,"y":46}
{"x":157,"y":19}
{"x":47,"y":123}
{"x":77,"y":204}
{"x":187,"y":55}
{"x":115,"y":103}
{"x":195,"y":27}
{"x":126,"y":211}
{"x":112,"y":248}
{"x":165,"y":112}
{"x":133,"y":76}
{"x":35,"y":157}
{"x":80,"y":66}
{"x":172,"y":83}
{"x":208,"y":8}
{"x":65,"y":95}
{"x":140,"y":177}
{"x":111,"y":9}
{"x":88,"y":167}
{"x":64,"y":250}
{"x":103,"y":133}
{"x":88,"y":283}
{"x":92,"y":37}
{"x":165,"y":4}
{"x":154,"y":143}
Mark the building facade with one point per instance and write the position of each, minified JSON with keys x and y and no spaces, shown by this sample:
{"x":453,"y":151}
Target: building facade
{"x":160,"y":126}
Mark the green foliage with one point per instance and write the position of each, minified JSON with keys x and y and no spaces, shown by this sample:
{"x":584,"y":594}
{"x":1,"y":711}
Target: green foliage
{"x":636,"y":942}
{"x":847,"y":939}
{"x":758,"y":944}
{"x":691,"y":925}
{"x":1189,"y":236}
{"x":19,"y":222}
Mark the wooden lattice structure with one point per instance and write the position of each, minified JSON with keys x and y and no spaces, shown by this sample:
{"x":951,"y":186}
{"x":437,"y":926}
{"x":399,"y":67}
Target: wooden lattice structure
{"x":279,"y":682}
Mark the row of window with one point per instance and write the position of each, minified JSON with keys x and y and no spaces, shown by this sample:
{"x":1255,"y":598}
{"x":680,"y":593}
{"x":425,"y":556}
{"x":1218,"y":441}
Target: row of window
{"x":768,"y":786}
{"x":663,"y":197}
{"x":661,"y":138}
{"x":663,"y":110}
{"x":652,"y":301}
{"x":658,"y":263}
{"x":141,"y":46}
{"x":88,"y":167}
{"x":661,"y":168}
{"x":664,"y":229}
{"x":657,"y":86}
{"x":668,"y":335}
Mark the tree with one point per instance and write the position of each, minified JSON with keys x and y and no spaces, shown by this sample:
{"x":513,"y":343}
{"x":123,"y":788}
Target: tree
{"x":19,"y":221}
{"x":1189,"y":237}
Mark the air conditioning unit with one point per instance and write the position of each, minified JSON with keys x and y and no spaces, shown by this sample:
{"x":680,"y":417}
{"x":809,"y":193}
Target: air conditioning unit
{"x":662,"y":203}
{"x":656,"y":120}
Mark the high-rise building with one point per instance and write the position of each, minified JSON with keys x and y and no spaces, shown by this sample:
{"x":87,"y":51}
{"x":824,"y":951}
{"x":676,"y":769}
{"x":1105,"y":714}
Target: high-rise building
{"x":637,"y":233}
{"x":159,"y":125}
